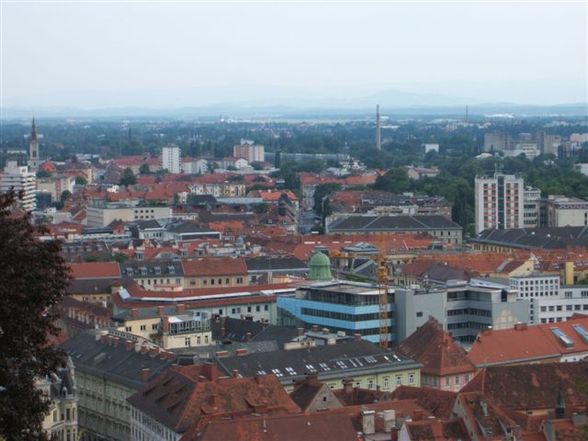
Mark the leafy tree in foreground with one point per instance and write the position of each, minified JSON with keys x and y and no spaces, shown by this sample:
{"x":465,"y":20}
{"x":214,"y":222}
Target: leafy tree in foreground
{"x":33,"y":280}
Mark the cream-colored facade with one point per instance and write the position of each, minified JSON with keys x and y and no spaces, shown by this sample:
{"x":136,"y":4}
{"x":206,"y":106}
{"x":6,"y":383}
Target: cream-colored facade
{"x":61,"y":421}
{"x":220,"y":281}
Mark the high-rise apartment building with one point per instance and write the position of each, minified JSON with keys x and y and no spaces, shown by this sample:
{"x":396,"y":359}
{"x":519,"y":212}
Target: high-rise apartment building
{"x":249,"y":151}
{"x":21,"y":180}
{"x":532,"y":208}
{"x":499,"y":202}
{"x":170,"y":159}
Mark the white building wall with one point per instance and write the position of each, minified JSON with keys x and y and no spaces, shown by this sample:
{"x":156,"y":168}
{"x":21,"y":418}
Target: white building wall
{"x":21,"y":179}
{"x":170,"y":159}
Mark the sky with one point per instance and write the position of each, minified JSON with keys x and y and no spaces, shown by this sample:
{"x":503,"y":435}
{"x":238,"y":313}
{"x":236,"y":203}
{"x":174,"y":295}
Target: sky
{"x":178,"y":54}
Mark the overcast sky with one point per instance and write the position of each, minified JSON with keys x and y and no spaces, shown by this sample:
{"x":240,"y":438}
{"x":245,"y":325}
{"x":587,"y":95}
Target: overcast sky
{"x":193,"y":54}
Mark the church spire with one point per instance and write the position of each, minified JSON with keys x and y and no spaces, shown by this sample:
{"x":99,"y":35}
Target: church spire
{"x":34,"y":131}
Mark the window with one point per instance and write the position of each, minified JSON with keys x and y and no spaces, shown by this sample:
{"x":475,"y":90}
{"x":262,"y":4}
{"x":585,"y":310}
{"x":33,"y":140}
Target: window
{"x":249,"y":309}
{"x":129,"y":328}
{"x":220,"y":281}
{"x":386,"y":382}
{"x":154,"y":327}
{"x":220,"y":312}
{"x":227,"y":281}
{"x":398,"y":380}
{"x":257,"y":308}
{"x":447,"y":381}
{"x":457,"y":379}
{"x":239,"y":280}
{"x":410,"y":378}
{"x":143,"y":327}
{"x":67,"y":414}
{"x":419,"y":314}
{"x":266,"y":307}
{"x":370,"y":384}
{"x":187,"y":341}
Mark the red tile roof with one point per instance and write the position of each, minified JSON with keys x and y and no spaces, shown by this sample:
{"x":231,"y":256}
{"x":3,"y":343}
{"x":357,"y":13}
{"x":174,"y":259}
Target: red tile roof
{"x":436,"y":430}
{"x":527,"y":343}
{"x":214,"y":267}
{"x":439,"y":402}
{"x":187,"y":396}
{"x":435,"y":349}
{"x":94,"y":270}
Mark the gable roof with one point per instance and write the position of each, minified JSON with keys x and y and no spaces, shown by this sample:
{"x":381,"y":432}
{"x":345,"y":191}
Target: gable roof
{"x":436,"y":430}
{"x":435,"y":349}
{"x":439,"y":402}
{"x":185,"y":395}
{"x":533,"y":386}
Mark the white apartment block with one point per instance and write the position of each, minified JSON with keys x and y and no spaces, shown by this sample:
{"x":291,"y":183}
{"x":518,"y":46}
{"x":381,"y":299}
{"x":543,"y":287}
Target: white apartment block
{"x":572,"y":300}
{"x":56,"y":185}
{"x":536,"y":287}
{"x":21,"y":179}
{"x":532,"y":204}
{"x":249,"y":151}
{"x":101,"y":215}
{"x":170,"y":159}
{"x":499,"y":202}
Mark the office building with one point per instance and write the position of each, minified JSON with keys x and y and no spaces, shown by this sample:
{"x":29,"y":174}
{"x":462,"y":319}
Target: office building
{"x":22,"y":180}
{"x":566,"y":212}
{"x":170,"y":159}
{"x":531,"y":207}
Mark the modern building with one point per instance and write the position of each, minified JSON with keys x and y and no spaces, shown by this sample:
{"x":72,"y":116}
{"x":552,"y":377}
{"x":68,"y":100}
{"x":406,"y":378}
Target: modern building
{"x":462,"y":308}
{"x":102,"y":213}
{"x":249,"y":151}
{"x":170,"y":159}
{"x":55,"y":186}
{"x":341,"y":306}
{"x":536,"y":287}
{"x":22,"y":180}
{"x":532,"y":208}
{"x":566,"y":212}
{"x":499,"y":202}
{"x":497,"y":142}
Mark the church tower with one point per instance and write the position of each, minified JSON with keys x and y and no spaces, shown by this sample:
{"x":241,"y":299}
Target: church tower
{"x":34,"y":160}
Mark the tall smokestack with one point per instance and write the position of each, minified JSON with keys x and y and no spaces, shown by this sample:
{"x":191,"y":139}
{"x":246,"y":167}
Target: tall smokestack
{"x":378,"y":129}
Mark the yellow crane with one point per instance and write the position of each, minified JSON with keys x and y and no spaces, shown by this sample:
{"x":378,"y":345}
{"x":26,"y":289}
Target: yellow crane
{"x":383,"y":282}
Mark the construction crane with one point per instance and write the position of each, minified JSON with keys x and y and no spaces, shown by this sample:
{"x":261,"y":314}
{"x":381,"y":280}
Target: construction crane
{"x":382,"y":282}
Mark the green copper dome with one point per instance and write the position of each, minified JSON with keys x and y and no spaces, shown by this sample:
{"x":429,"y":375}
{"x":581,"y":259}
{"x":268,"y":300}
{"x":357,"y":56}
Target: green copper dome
{"x":320,"y":267}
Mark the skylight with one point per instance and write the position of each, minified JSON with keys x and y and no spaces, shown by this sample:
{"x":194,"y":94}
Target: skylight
{"x":567,"y":341}
{"x":582,"y":331}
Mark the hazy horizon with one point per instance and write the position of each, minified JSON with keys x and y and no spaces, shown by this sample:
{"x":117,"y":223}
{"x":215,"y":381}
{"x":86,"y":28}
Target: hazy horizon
{"x":173,"y":55}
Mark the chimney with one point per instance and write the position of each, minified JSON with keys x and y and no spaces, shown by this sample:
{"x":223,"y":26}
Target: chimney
{"x":180,"y":308}
{"x":348,"y":385}
{"x":210,"y":371}
{"x":115,"y":341}
{"x":300,"y":332}
{"x":134,"y":313}
{"x":389,"y":420}
{"x":144,"y":349}
{"x":315,"y":328}
{"x":129,"y":345}
{"x":235,"y":373}
{"x":325,"y":331}
{"x":240,"y":352}
{"x":145,"y":374}
{"x":368,"y":422}
{"x":520,"y":326}
{"x":357,"y":337}
{"x":248,"y":336}
{"x":221,"y":354}
{"x":161,"y":311}
{"x":165,"y":325}
{"x":153,"y":351}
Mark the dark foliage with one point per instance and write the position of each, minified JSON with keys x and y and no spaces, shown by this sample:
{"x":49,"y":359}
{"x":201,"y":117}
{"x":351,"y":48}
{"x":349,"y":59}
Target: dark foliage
{"x":32,"y":281}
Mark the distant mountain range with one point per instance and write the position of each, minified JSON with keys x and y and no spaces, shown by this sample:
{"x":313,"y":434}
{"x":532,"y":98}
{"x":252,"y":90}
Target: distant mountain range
{"x":393,"y":103}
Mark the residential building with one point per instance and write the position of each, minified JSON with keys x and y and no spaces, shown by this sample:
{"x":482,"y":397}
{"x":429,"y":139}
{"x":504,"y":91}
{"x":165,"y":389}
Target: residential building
{"x":499,"y":202}
{"x":445,"y":364}
{"x":566,"y":212}
{"x":369,"y":366}
{"x":108,"y":370}
{"x":219,"y":190}
{"x":497,"y":142}
{"x":431,"y":147}
{"x":249,"y":151}
{"x":341,"y":306}
{"x":436,"y":226}
{"x":22,"y":180}
{"x":234,"y":163}
{"x":535,"y":287}
{"x":55,"y":186}
{"x":61,"y":420}
{"x":533,"y":238}
{"x":170,"y":159}
{"x":185,"y":399}
{"x":417,"y":173}
{"x":529,"y":344}
{"x":195,"y":166}
{"x":159,"y":273}
{"x":93,"y":281}
{"x":266,"y":268}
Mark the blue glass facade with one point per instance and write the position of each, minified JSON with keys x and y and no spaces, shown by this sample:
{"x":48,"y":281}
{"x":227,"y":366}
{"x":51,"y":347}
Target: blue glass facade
{"x":337,"y":317}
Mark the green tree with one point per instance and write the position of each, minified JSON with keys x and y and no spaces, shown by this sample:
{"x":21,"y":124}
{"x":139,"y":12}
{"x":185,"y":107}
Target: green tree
{"x":80,"y":180}
{"x":33,"y":281}
{"x":144,"y":169}
{"x":128,"y":177}
{"x":395,"y":180}
{"x":320,"y":192}
{"x":65,"y":195}
{"x":43,"y":174}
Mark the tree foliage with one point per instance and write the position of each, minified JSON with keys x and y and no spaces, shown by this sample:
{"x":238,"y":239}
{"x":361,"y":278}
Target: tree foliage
{"x":128,"y":177}
{"x":32,"y":282}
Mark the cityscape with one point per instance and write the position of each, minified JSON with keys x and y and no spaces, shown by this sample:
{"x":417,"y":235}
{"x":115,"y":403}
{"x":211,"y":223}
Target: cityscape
{"x":279,"y":245}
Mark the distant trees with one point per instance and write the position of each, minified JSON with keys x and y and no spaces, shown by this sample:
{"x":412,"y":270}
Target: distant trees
{"x":80,"y":180}
{"x":144,"y":169}
{"x":128,"y":178}
{"x":320,"y":192}
{"x":395,"y":180}
{"x":43,"y":174}
{"x":33,"y":281}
